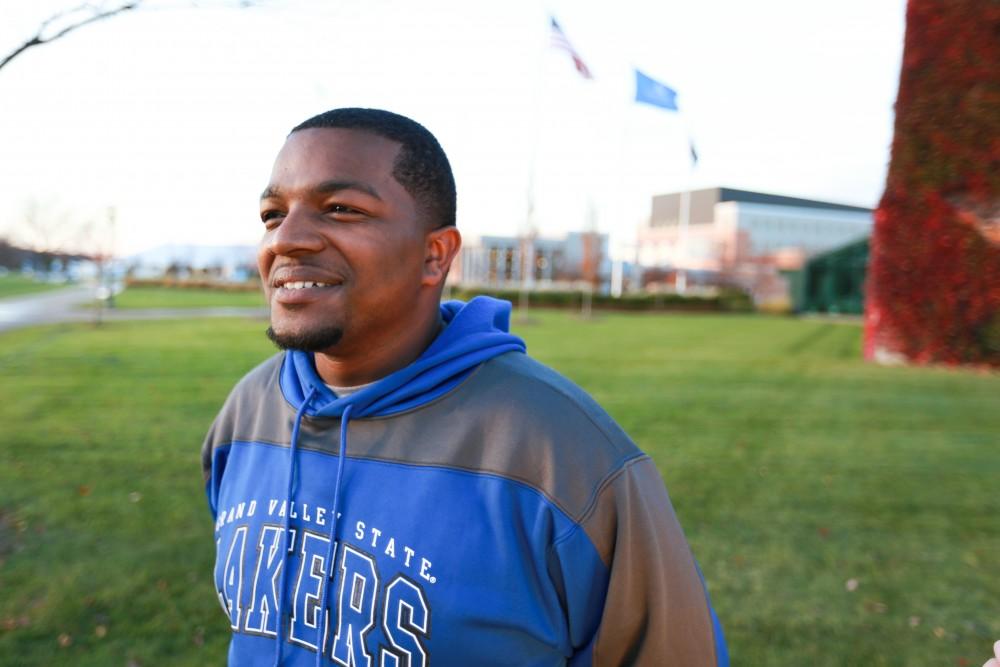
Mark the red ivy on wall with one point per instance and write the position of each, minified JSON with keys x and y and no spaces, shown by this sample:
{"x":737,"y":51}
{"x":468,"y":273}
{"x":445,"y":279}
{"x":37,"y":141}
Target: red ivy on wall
{"x":933,"y":292}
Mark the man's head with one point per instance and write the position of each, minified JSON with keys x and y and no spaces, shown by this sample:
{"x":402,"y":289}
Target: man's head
{"x":421,"y":166}
{"x":359,"y":234}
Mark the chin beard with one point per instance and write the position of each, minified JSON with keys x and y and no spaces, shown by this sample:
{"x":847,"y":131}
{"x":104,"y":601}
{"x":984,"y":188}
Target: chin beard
{"x":309,"y":341}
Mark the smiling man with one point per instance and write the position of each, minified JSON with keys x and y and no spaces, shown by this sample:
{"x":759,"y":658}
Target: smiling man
{"x":402,"y":485}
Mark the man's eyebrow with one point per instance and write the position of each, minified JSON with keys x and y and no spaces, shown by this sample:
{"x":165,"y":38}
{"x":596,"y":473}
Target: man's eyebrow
{"x":326,"y":187}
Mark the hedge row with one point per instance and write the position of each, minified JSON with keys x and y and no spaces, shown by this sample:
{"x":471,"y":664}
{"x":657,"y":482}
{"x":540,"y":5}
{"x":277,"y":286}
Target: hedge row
{"x":174,"y":283}
{"x":725,"y":301}
{"x":934,"y":278}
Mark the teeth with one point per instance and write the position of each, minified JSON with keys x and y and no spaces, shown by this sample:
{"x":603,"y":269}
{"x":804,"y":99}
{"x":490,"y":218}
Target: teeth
{"x":302,"y":284}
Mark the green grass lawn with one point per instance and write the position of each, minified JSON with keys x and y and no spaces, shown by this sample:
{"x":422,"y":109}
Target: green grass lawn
{"x":794,"y":467}
{"x":186,"y":297}
{"x":16,"y":284}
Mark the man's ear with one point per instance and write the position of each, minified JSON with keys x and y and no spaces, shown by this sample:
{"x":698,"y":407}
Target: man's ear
{"x":441,"y":246}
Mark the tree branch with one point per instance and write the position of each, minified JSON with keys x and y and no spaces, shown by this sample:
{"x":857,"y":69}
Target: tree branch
{"x":58,"y":15}
{"x":39,"y":37}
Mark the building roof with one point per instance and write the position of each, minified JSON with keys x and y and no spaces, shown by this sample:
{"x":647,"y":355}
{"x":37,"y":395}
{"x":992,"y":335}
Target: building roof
{"x":732,"y":194}
{"x":666,"y":207}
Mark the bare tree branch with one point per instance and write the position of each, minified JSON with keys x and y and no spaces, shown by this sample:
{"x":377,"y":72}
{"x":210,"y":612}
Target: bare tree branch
{"x":58,"y":15}
{"x":98,"y":14}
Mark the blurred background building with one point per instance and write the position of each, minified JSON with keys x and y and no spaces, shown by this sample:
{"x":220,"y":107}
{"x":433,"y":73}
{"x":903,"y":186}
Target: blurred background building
{"x":725,"y":236}
{"x":510,"y":261}
{"x":218,"y":263}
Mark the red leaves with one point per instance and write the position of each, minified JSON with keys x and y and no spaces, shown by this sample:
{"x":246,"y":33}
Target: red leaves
{"x":933,"y":292}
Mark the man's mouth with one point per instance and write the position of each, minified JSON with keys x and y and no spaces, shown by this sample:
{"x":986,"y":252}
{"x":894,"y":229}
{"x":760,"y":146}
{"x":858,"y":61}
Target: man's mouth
{"x":303,"y":284}
{"x":299,"y":292}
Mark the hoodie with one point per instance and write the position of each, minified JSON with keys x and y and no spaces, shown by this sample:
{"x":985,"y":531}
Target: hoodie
{"x":472,"y":508}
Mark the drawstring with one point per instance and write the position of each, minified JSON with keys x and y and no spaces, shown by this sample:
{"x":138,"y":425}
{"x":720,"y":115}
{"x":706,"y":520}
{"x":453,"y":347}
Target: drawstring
{"x":289,"y":494}
{"x":331,"y":548}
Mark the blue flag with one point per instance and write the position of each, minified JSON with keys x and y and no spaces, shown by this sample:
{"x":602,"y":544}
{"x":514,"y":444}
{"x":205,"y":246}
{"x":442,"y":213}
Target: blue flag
{"x":653,"y":92}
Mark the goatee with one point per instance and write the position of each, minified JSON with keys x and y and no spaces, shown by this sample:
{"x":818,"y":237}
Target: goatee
{"x":307,"y":341}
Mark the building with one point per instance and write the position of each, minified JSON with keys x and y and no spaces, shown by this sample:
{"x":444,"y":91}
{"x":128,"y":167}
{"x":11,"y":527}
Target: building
{"x":744,"y":237}
{"x":232,"y":263}
{"x":513,"y":261}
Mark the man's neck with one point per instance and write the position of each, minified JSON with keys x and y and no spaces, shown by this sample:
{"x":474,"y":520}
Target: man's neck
{"x":369,"y":365}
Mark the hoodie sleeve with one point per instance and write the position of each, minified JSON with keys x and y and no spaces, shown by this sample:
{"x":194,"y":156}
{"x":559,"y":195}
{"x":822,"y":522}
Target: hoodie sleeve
{"x":245,"y":408}
{"x":655,"y":609}
{"x":207,"y":456}
{"x":214,"y":453}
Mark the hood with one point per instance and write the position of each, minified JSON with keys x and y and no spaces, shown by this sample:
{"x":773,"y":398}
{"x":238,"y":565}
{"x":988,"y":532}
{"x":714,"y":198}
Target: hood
{"x":474,"y":332}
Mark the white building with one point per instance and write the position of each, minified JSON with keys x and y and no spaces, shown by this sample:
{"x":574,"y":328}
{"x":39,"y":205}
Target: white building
{"x":232,"y":263}
{"x":510,"y":261}
{"x":728,"y":227}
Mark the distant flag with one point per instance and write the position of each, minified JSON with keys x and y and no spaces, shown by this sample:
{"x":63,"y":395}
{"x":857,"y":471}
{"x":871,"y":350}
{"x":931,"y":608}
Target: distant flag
{"x":559,"y":41}
{"x":651,"y":91}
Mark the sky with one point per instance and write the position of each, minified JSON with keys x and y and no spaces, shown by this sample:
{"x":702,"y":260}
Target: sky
{"x":171,"y":115}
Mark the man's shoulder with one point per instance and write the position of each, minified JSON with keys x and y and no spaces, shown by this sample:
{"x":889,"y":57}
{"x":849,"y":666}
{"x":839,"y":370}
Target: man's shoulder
{"x":260,"y":379}
{"x":524,"y":421}
{"x":535,"y":392}
{"x":254,"y":389}
{"x":242,"y":407}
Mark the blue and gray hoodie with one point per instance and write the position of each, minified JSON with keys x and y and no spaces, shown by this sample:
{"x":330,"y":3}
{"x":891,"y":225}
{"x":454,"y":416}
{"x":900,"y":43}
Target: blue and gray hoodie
{"x":472,"y":508}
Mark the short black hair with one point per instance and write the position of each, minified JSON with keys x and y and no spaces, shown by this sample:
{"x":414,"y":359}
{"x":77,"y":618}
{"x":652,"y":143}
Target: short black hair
{"x":421,"y":166}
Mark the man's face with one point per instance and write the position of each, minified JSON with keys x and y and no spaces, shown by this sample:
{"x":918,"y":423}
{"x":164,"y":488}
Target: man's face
{"x":343,"y":249}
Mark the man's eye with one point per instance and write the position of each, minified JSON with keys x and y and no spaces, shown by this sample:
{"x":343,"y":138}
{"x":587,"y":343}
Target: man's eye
{"x":340,"y":209}
{"x":268,"y":216}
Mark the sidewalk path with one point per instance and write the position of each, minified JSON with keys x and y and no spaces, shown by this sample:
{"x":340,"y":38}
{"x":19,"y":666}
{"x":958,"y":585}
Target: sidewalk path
{"x":67,"y":305}
{"x":44,"y":307}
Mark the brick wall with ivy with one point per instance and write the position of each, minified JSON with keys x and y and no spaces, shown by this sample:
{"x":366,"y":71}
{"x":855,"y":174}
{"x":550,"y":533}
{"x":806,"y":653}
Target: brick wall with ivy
{"x":933,"y":292}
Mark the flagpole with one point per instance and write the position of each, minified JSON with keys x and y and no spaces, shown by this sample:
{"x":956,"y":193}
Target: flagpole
{"x":527,"y":245}
{"x":650,"y":91}
{"x":685,"y":214}
{"x":536,"y":121}
{"x":554,"y":37}
{"x":682,"y":232}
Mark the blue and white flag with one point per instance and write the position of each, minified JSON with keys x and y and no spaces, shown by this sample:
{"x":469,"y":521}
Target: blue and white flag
{"x":653,"y":92}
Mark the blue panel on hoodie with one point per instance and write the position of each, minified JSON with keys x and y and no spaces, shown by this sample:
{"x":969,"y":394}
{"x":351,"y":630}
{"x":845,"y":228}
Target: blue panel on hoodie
{"x":449,"y":561}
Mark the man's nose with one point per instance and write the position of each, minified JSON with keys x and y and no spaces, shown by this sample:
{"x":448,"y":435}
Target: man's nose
{"x":296,"y":234}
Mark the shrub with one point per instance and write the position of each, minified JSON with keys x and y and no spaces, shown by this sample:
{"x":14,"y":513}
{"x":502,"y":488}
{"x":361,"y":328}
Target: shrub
{"x":727,"y":300}
{"x":175,"y":283}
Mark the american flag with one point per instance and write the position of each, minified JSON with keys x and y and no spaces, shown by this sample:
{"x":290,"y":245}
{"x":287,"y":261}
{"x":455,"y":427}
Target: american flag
{"x":559,"y":41}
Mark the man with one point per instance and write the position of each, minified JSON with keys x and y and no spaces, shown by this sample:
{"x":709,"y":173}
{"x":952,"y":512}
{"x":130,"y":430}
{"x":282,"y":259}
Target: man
{"x":403,"y":486}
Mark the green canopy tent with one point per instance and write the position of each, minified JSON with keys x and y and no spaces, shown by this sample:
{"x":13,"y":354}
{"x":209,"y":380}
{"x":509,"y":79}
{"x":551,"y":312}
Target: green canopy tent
{"x":833,"y":281}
